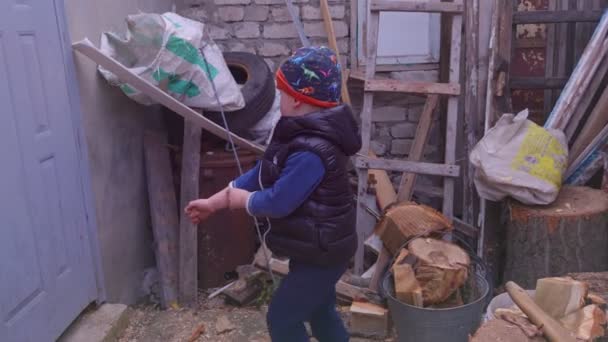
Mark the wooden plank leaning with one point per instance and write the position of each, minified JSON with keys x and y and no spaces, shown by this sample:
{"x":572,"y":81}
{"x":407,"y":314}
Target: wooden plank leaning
{"x":189,"y":187}
{"x":87,"y":48}
{"x":593,"y":126}
{"x":581,"y":76}
{"x":163,"y":214}
{"x":579,"y":171}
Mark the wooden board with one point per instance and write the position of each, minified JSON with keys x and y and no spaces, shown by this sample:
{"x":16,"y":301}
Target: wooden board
{"x":366,"y":128}
{"x":581,"y":76}
{"x":592,"y":154}
{"x":188,"y":263}
{"x":406,"y":187}
{"x":471,"y":105}
{"x":369,"y":320}
{"x":452,"y":116}
{"x":593,"y":126}
{"x":87,"y":48}
{"x":163,"y":213}
{"x":416,"y":6}
{"x":447,"y":170}
{"x":546,"y":17}
{"x":411,"y":87}
{"x":333,"y":44}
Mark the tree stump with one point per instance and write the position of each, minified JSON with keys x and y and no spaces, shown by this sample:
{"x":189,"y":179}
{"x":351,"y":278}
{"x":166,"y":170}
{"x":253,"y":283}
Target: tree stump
{"x":570,"y":235}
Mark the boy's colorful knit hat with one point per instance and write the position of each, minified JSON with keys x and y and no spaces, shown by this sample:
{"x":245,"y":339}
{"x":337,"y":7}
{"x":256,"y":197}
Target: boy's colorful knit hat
{"x":312,"y":75}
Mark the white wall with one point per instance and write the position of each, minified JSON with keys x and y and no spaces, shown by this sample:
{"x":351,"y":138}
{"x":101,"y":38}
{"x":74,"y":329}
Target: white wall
{"x":114,"y":128}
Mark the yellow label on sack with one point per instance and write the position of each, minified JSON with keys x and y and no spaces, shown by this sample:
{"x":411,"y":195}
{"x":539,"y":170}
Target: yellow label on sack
{"x":541,"y":155}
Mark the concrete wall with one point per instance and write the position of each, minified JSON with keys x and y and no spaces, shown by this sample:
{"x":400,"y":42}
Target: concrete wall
{"x":114,"y":128}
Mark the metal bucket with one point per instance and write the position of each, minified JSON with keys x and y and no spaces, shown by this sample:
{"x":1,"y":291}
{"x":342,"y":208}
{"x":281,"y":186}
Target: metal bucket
{"x":416,"y":324}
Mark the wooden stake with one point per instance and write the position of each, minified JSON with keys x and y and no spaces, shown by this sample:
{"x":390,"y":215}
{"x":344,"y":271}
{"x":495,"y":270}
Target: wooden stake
{"x":163,"y":212}
{"x":552,"y":329}
{"x":333,"y":44}
{"x":188,"y":265}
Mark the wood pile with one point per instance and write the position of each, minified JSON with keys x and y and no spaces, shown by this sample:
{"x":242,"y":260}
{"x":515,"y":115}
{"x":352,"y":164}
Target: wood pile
{"x":562,"y":309}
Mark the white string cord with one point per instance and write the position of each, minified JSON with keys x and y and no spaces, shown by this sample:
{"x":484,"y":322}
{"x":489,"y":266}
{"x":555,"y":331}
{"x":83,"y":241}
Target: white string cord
{"x":261,"y":237}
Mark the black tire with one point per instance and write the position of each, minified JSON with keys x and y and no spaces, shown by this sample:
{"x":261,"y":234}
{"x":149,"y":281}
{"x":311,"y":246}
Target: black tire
{"x":258,"y":89}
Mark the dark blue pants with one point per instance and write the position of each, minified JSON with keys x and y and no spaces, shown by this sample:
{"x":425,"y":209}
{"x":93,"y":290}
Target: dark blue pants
{"x":307,"y":294}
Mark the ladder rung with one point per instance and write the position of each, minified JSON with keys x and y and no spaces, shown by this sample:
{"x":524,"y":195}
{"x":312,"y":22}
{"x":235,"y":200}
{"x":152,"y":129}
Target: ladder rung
{"x":396,"y":86}
{"x":416,"y":6}
{"x":408,"y":166}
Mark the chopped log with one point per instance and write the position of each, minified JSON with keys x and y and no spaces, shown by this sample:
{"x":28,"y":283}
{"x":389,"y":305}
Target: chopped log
{"x":408,"y":220}
{"x":407,"y":288}
{"x":569,"y":235}
{"x":503,"y":331}
{"x":454,"y":301}
{"x":552,"y":329}
{"x":247,"y":287}
{"x":523,"y":323}
{"x":401,"y":258}
{"x":560,"y":296}
{"x":587,"y":323}
{"x":369,"y":320}
{"x":441,"y":268}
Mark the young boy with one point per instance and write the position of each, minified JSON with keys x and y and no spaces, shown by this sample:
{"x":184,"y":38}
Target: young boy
{"x":301,"y":185}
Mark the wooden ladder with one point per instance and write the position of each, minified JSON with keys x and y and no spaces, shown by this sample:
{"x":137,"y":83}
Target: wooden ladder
{"x":449,"y":170}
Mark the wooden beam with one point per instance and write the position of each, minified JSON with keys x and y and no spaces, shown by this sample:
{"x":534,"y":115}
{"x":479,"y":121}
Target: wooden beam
{"x":373,"y":26}
{"x":333,"y":44}
{"x":538,"y":82}
{"x":579,"y":81}
{"x":470,"y":200}
{"x":396,"y":86}
{"x":452,"y":116}
{"x":417,"y":6}
{"x":408,"y":166}
{"x":593,"y":126}
{"x":189,"y":190}
{"x":87,"y":48}
{"x":583,"y":107}
{"x":548,"y":17}
{"x":406,"y":188}
{"x":163,"y":213}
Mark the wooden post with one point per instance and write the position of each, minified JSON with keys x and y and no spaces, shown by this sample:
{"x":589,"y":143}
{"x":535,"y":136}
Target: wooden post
{"x":333,"y":44}
{"x":188,"y":266}
{"x":471,"y":93}
{"x":163,"y":213}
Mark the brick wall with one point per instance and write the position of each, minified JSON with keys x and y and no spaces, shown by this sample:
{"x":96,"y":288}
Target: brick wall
{"x":264,"y":27}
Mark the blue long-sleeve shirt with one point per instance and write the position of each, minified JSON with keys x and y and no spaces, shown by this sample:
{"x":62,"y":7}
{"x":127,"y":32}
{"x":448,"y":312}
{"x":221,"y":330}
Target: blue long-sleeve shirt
{"x":302,"y":173}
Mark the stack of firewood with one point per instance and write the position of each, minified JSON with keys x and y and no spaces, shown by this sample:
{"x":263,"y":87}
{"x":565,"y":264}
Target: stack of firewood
{"x":563,"y":309}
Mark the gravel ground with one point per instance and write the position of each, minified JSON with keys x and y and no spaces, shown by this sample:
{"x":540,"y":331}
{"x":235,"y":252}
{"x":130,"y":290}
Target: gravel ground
{"x":217,"y":322}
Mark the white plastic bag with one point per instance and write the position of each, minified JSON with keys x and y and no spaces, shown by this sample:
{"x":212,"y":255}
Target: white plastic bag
{"x":165,"y":50}
{"x":520,"y":159}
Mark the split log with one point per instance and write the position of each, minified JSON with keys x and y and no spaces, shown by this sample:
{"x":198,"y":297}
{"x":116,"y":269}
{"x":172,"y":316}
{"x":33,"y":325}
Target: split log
{"x":407,"y":288}
{"x":560,"y":297}
{"x":587,"y":323}
{"x":569,"y":235}
{"x":408,"y":220}
{"x":503,"y":331}
{"x":369,"y":320}
{"x":441,"y":268}
{"x":552,"y":329}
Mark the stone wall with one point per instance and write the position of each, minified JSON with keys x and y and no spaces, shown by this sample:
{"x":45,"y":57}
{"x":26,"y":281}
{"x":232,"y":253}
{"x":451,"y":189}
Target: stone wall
{"x":264,"y":27}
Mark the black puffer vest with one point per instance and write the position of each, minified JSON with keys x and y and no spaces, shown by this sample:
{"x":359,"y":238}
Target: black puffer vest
{"x":322,"y":230}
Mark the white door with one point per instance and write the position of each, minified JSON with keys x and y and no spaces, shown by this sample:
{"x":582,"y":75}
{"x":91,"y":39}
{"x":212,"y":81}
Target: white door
{"x":47,"y":274}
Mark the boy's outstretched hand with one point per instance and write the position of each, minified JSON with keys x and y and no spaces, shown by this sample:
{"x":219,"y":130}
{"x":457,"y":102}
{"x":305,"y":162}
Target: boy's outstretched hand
{"x":198,"y":210}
